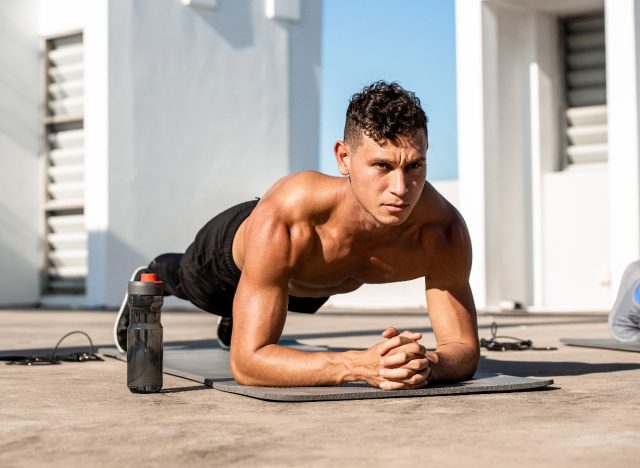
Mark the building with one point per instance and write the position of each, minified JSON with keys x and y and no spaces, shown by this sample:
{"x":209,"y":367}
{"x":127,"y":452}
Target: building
{"x":548,"y":148}
{"x":547,"y":154}
{"x":127,"y":124}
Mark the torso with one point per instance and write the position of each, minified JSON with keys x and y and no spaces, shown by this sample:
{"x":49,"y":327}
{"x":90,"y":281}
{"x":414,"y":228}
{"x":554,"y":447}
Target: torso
{"x":333,"y":263}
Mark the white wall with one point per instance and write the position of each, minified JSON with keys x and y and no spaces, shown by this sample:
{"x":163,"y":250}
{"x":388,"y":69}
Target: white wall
{"x":546,"y":103}
{"x":207,"y":108}
{"x":576,"y":237}
{"x":57,"y":17}
{"x":622,"y":27}
{"x":187,"y":111}
{"x":531,"y":224}
{"x":20,"y":89}
{"x":508,"y":177}
{"x":493,"y":55}
{"x":304,"y":86}
{"x":471,"y":76}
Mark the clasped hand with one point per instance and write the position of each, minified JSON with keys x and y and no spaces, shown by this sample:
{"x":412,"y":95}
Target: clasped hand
{"x":399,"y":362}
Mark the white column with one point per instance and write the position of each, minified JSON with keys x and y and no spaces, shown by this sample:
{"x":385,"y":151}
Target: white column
{"x":21,"y":256}
{"x":471,"y":135}
{"x":96,"y":125}
{"x":536,"y":184}
{"x":546,"y":88}
{"x":621,"y":20}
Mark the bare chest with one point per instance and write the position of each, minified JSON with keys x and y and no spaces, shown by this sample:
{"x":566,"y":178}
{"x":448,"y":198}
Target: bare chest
{"x":339,"y":270}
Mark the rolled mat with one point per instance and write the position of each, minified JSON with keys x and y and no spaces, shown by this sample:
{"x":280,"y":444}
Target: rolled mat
{"x":602,"y":344}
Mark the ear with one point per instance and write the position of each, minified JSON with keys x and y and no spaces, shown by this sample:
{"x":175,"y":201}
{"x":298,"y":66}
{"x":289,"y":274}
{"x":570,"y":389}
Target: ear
{"x":343,"y":157}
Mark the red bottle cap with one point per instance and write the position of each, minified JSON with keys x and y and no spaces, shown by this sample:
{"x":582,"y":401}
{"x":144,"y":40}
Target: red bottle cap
{"x":149,"y":278}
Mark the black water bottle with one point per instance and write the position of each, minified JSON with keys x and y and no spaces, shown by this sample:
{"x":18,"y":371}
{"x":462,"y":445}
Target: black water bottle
{"x":144,"y":335}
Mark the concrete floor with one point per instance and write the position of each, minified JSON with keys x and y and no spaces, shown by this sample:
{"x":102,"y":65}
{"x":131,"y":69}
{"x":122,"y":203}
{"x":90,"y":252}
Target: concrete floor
{"x":82,"y":414}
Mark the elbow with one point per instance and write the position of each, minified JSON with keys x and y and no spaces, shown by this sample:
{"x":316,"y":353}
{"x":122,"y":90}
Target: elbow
{"x":473,"y":362}
{"x":241,"y":369}
{"x":468,"y":363}
{"x":242,"y":379}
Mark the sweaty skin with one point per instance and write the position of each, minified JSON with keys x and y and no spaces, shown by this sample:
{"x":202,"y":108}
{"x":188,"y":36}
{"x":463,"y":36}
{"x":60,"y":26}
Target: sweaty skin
{"x":313,"y":235}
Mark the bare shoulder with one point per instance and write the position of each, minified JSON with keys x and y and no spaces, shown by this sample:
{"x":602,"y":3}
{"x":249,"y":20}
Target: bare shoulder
{"x":302,"y":194}
{"x":444,"y":238}
{"x":282,"y":223}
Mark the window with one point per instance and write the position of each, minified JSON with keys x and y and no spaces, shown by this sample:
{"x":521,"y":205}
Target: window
{"x":585,"y":89}
{"x":66,"y":246}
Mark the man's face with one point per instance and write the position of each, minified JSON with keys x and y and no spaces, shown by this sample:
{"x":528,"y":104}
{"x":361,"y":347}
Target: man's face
{"x":387,"y":179}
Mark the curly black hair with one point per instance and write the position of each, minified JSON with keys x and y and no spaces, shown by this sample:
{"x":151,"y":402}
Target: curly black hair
{"x":383,"y":112}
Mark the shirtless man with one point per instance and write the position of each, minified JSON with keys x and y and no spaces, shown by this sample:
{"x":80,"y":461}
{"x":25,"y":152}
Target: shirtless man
{"x":312,"y":236}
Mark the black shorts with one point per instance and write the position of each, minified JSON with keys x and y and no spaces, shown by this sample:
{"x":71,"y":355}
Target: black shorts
{"x":207,"y":273}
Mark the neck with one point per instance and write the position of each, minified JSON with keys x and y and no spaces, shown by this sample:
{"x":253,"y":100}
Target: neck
{"x":353,"y":221}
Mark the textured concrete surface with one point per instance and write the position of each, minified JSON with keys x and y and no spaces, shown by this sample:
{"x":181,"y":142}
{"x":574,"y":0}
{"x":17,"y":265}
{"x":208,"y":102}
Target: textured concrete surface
{"x":80,"y":414}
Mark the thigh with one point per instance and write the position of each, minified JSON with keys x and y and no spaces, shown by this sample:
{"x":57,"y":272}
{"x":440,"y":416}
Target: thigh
{"x":209,"y":275}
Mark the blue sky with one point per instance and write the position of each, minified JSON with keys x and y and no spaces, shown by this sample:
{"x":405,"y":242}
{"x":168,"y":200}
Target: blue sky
{"x":408,"y":41}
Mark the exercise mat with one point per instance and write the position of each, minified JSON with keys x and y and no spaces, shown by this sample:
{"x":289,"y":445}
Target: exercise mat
{"x":602,"y":344}
{"x":208,"y":364}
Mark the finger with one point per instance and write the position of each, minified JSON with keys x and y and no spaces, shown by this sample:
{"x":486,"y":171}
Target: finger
{"x":417,"y":364}
{"x":386,"y":346}
{"x":422,"y":384}
{"x":411,"y":347}
{"x":398,"y":359}
{"x":418,"y":380}
{"x":390,"y":332}
{"x":406,"y":371}
{"x":415,"y":336}
{"x":393,"y":385}
{"x":390,"y":385}
{"x":398,"y":373}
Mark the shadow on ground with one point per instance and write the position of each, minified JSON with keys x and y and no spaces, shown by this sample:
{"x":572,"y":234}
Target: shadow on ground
{"x":185,"y":389}
{"x":376,"y":332}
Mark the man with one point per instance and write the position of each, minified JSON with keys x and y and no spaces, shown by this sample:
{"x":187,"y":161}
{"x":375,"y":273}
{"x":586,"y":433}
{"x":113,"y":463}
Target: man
{"x":312,"y":236}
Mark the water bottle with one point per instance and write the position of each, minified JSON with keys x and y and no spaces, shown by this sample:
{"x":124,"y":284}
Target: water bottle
{"x":144,"y":335}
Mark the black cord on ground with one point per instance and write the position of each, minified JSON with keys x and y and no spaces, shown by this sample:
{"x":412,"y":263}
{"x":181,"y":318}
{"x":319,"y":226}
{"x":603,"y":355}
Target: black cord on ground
{"x":516,"y":344}
{"x":51,"y":359}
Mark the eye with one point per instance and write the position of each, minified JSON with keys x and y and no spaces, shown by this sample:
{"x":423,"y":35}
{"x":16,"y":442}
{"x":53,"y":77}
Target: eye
{"x":415,"y":165}
{"x":381,"y":165}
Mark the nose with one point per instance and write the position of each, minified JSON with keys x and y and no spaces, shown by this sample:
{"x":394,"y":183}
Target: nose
{"x":399,"y":183}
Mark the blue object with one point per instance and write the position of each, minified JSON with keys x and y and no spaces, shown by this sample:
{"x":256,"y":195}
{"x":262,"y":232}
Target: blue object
{"x":636,"y":294}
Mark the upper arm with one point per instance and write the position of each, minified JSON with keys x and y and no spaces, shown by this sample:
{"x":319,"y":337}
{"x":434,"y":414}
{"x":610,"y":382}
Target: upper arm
{"x":261,"y":299}
{"x":449,"y":298}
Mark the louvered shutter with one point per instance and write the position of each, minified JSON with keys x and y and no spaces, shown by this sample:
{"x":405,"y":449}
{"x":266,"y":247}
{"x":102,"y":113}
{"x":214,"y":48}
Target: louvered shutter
{"x":66,"y":253}
{"x":586,"y":96}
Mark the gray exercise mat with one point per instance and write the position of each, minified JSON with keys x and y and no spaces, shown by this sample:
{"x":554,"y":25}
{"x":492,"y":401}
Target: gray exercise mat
{"x":602,"y":344}
{"x":481,"y":383}
{"x":208,"y":364}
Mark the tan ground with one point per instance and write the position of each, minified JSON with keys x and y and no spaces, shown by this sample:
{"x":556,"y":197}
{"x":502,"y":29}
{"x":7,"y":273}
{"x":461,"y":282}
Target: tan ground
{"x":83,"y":415}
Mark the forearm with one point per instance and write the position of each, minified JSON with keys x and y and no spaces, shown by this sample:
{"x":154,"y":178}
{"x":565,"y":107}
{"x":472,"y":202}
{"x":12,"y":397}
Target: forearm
{"x":453,"y":362}
{"x":279,"y":366}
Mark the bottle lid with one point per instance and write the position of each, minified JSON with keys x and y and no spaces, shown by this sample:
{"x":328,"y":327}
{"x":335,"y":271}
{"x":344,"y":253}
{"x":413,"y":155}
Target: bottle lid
{"x":148,"y":284}
{"x":149,"y":278}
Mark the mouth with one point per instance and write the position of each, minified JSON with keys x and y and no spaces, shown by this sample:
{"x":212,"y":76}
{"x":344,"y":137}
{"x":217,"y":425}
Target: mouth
{"x":396,"y":208}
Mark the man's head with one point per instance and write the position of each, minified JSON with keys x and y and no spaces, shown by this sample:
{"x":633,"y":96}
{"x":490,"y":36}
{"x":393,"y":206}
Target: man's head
{"x":383,"y":112}
{"x":384,"y":151}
